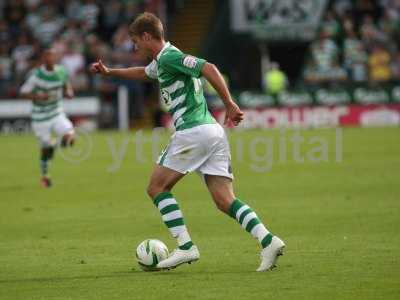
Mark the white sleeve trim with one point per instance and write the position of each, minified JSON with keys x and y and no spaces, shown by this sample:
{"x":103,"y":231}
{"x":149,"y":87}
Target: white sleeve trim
{"x":151,"y":70}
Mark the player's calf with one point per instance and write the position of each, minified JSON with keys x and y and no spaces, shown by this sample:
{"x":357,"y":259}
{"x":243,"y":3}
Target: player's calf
{"x":221,"y":191}
{"x":272,"y":246}
{"x":46,"y":156}
{"x":47,"y":153}
{"x":173,"y":218}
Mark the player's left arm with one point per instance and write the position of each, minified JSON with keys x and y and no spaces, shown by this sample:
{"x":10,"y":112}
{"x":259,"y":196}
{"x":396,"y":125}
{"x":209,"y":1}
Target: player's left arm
{"x":68,"y":90}
{"x":215,"y":78}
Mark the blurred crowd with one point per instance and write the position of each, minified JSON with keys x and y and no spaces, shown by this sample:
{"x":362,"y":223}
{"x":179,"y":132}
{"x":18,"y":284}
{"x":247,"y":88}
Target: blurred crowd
{"x":359,"y":41}
{"x":80,"y":30}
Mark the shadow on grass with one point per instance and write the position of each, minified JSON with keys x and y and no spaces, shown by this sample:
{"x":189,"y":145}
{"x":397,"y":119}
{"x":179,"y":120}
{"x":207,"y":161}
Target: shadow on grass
{"x":134,"y":273}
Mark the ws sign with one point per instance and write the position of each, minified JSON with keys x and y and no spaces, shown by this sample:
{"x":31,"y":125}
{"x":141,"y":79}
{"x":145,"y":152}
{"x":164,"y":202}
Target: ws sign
{"x":279,"y":20}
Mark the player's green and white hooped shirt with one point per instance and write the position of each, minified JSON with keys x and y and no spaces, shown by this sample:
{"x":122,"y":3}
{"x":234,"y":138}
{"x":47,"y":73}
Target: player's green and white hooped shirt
{"x":51,"y":83}
{"x":181,"y":88}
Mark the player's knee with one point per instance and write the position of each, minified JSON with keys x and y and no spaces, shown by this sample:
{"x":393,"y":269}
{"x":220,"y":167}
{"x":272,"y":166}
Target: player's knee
{"x":223,"y":206}
{"x":150,"y":191}
{"x":223,"y":202}
{"x":154,"y":189}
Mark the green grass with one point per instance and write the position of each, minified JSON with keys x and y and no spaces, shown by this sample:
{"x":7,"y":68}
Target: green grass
{"x":340,"y":221}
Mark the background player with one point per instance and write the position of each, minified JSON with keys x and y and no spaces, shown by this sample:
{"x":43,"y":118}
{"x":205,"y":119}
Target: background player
{"x":46,"y":87}
{"x":199,"y":143}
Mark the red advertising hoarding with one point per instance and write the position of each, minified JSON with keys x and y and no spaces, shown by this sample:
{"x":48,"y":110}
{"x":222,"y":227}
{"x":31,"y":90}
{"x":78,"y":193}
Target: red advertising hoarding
{"x":316,"y":116}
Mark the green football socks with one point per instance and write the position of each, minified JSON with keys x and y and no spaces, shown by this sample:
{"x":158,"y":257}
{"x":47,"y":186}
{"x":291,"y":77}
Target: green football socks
{"x":173,"y":219}
{"x":45,"y":158}
{"x":248,"y":219}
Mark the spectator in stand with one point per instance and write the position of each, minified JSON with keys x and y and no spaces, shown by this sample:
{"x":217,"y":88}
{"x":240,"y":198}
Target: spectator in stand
{"x":390,"y":22}
{"x":2,"y":4}
{"x":336,"y":74}
{"x":368,"y":32}
{"x":60,"y":47}
{"x":131,"y":10}
{"x":355,"y":58}
{"x":122,"y":41}
{"x":341,"y":7}
{"x":122,"y":56}
{"x":78,"y":30}
{"x":21,"y":55}
{"x":95,"y":48}
{"x":5,"y":35}
{"x":74,"y":62}
{"x":379,"y":65}
{"x":73,"y":33}
{"x":111,"y":17}
{"x":5,"y":68}
{"x":367,"y":25}
{"x":347,"y":23}
{"x":371,"y":34}
{"x":275,"y":80}
{"x":311,"y":74}
{"x":324,"y":52}
{"x":73,"y":9}
{"x":332,"y":75}
{"x":367,"y":7}
{"x":89,"y":14}
{"x":331,"y":25}
{"x":395,"y":66}
{"x":49,"y":26}
{"x":14,"y":13}
{"x":33,"y":17}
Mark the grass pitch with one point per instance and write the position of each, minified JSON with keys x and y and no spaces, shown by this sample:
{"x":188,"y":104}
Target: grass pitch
{"x":340,"y":221}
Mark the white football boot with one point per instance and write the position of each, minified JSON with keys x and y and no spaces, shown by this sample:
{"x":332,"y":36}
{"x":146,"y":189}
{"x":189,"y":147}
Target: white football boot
{"x":269,"y":255}
{"x":179,"y":257}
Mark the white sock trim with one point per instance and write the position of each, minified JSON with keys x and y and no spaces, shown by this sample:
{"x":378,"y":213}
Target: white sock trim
{"x":177,"y":230}
{"x":176,"y":214}
{"x":183,"y":238}
{"x":259,"y":232}
{"x":248,"y":218}
{"x":240,"y":210}
{"x":165,"y":202}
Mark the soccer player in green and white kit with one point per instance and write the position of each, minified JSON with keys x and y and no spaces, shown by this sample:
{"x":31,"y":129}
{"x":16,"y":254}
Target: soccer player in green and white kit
{"x":45,"y":87}
{"x":199,"y":143}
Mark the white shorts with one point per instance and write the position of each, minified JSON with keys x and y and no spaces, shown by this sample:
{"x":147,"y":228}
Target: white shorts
{"x":59,"y":126}
{"x":203,"y":148}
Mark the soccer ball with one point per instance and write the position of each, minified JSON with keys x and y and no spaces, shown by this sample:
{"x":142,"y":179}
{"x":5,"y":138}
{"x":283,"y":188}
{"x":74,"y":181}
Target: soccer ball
{"x":149,"y":253}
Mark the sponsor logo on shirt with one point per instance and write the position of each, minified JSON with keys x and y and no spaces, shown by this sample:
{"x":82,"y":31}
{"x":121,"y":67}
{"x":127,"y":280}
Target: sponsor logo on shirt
{"x":190,"y":61}
{"x":166,"y":97}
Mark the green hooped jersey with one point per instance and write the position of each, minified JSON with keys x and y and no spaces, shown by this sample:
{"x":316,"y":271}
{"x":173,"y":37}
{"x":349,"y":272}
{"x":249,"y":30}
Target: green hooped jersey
{"x":48,"y":82}
{"x":181,"y":88}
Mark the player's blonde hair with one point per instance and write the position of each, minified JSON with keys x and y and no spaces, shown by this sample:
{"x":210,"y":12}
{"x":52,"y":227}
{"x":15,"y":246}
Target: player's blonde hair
{"x":147,"y":22}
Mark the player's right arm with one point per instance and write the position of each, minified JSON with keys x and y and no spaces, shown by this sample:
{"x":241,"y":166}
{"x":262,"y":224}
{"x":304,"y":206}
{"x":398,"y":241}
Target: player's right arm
{"x":134,"y":73}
